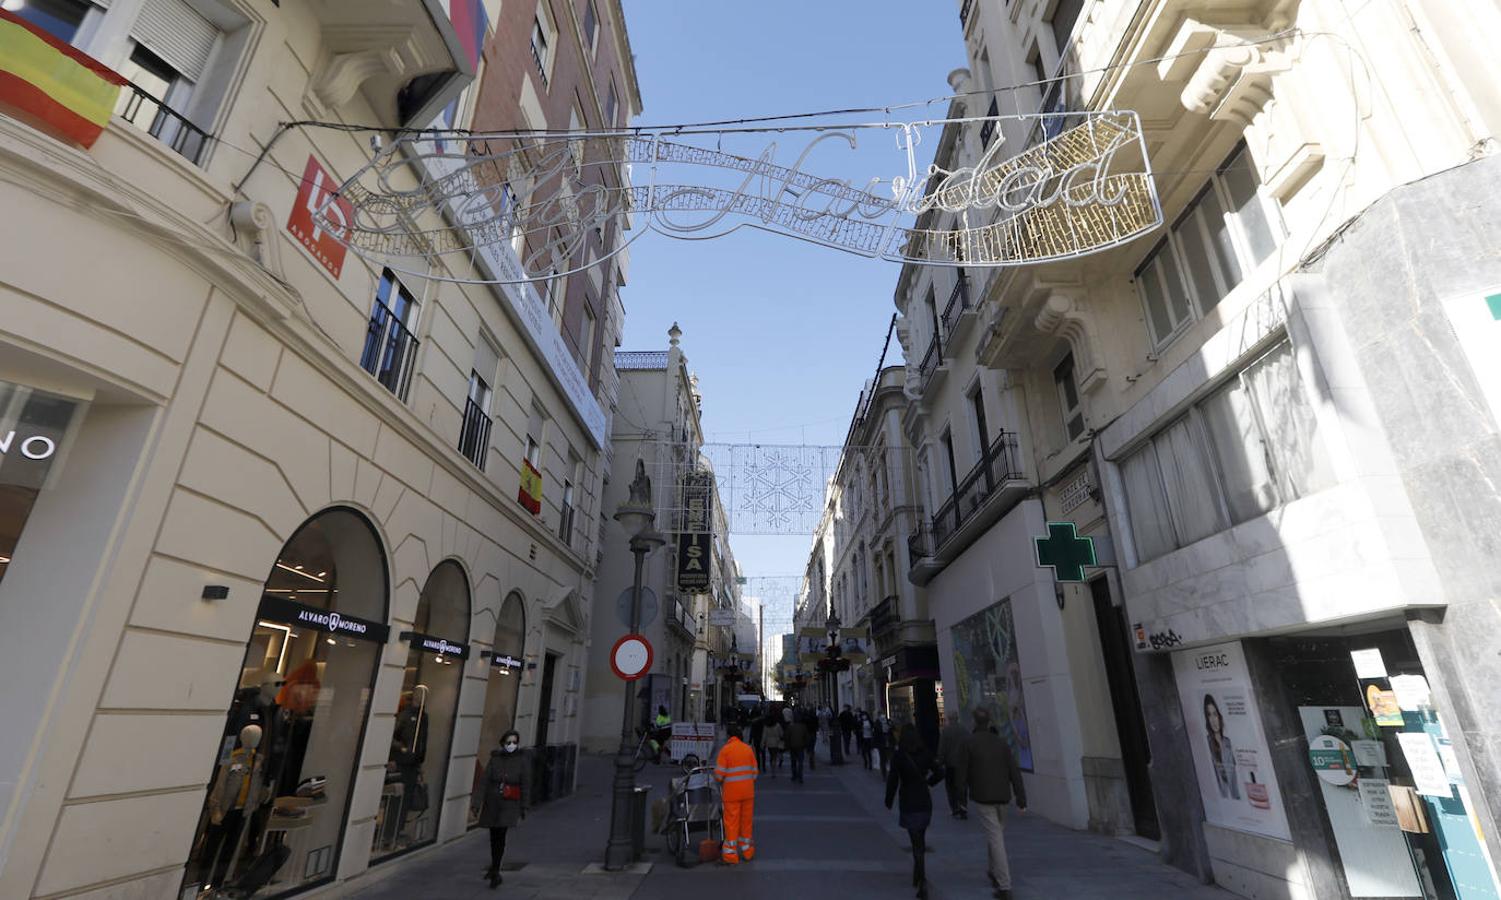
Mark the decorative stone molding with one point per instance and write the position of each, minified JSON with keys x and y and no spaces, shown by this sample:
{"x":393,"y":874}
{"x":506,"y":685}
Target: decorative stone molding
{"x":255,"y":233}
{"x":339,"y":78}
{"x":1065,"y":317}
{"x":1233,"y":81}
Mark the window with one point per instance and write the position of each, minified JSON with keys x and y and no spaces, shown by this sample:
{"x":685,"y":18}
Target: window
{"x":591,"y":25}
{"x":951,"y":470}
{"x":1248,"y":447}
{"x":553,"y":295}
{"x":589,"y":340}
{"x":60,"y":18}
{"x":163,"y":84}
{"x":611,"y":101}
{"x":1228,"y":229}
{"x":534,"y":452}
{"x":541,"y":47}
{"x":390,"y":345}
{"x":474,"y":435}
{"x":977,"y":417}
{"x":1065,"y":16}
{"x":565,"y":515}
{"x":512,"y":213}
{"x":1068,"y":399}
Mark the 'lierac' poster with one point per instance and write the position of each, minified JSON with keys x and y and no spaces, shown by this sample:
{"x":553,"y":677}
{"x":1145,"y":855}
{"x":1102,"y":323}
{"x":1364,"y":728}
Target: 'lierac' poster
{"x":1229,"y":747}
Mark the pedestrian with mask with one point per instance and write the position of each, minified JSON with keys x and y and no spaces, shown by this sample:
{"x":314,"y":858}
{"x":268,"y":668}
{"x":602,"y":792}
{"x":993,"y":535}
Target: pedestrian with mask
{"x":506,"y":798}
{"x":993,"y":780}
{"x":913,"y":772}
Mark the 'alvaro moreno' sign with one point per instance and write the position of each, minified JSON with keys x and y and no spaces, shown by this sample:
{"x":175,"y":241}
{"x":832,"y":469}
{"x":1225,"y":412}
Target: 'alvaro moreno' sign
{"x":440,"y":646}
{"x":290,"y":612}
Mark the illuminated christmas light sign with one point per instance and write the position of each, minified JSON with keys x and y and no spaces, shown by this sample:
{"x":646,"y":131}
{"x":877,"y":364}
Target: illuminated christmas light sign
{"x":525,"y":207}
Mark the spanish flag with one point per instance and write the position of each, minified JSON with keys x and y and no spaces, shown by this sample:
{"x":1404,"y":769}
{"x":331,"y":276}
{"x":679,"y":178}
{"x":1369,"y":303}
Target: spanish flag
{"x":51,"y":86}
{"x":530,"y":494}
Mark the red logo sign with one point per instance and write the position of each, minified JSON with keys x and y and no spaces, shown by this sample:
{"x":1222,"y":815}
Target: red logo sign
{"x":316,"y":187}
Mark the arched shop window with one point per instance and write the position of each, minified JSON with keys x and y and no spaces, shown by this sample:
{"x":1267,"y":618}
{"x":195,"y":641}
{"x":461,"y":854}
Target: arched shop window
{"x":417,"y":767}
{"x":506,"y":668}
{"x":274,"y":816}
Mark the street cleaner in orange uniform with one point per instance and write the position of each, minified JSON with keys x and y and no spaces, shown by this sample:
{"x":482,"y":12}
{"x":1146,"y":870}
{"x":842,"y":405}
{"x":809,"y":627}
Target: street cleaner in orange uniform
{"x":735,"y":769}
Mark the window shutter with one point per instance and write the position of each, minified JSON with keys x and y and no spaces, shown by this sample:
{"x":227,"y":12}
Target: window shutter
{"x":177,"y":33}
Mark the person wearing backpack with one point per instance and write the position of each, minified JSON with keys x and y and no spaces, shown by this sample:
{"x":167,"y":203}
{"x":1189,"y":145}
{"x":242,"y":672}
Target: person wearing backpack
{"x":506,"y":798}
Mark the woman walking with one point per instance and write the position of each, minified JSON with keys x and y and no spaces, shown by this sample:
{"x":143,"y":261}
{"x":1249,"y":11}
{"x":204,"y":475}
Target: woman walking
{"x":913,"y":772}
{"x":775,"y":741}
{"x":506,"y":797}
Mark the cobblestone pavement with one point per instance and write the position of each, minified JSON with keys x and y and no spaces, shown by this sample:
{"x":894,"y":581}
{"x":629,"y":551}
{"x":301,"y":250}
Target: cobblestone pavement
{"x":830,"y":834}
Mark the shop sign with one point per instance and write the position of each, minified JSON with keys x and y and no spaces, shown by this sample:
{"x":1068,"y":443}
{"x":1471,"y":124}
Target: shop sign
{"x":323,"y":235}
{"x":722,"y":617}
{"x":280,"y":609}
{"x":1332,"y":759}
{"x":1063,"y":551}
{"x":30,"y":443}
{"x":34,"y":446}
{"x":1075,"y":492}
{"x":698,"y":502}
{"x":440,"y":646}
{"x":1237,"y":785}
{"x":505,"y":662}
{"x":693,"y":563}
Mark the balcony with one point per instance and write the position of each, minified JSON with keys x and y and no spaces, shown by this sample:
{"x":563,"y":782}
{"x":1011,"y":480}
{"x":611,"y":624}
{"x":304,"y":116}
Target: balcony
{"x":154,"y":117}
{"x":965,"y":12}
{"x":885,"y":617}
{"x":679,"y":616}
{"x":931,"y":371}
{"x":474,"y":437}
{"x":987,"y":130}
{"x":958,"y":314}
{"x":987,"y":492}
{"x":390,"y":350}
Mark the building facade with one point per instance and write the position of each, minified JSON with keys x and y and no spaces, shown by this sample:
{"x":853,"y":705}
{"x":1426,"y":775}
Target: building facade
{"x":858,"y":568}
{"x":1276,"y":416}
{"x":271,"y":581}
{"x":658,"y":425}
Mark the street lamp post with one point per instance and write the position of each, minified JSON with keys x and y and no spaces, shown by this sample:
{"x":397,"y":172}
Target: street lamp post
{"x":832,"y":664}
{"x":636,"y":516}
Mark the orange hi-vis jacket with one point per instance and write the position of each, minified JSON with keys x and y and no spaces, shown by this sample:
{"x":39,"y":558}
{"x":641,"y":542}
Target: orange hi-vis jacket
{"x":736,"y":770}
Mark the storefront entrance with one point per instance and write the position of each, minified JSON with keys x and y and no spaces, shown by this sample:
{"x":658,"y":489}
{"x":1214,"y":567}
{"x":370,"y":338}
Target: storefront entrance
{"x":32,"y":428}
{"x":274,"y":816}
{"x":506,"y":669}
{"x":417,"y":765}
{"x":1392,"y":792}
{"x":1125,"y":703}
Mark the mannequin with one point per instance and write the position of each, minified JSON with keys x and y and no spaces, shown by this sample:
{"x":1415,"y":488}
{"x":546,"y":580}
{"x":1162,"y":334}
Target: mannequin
{"x":409,"y":749}
{"x":235,"y":793}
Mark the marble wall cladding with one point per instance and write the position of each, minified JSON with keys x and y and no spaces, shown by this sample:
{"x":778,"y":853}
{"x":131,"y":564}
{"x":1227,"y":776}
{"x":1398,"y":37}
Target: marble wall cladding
{"x":1388,"y":278}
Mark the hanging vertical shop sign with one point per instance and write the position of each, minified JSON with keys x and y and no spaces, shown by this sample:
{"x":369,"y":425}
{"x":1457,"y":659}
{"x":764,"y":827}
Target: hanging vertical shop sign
{"x":1229,"y":747}
{"x":698,"y":502}
{"x":694,"y":554}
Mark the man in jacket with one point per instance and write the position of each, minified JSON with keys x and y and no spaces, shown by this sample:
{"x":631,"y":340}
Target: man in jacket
{"x":847,"y":727}
{"x":797,"y":744}
{"x":735,"y":769}
{"x":992,"y":779}
{"x":953,"y":752}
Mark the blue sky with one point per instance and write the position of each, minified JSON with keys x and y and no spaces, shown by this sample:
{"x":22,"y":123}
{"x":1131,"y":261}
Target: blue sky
{"x":782,"y":334}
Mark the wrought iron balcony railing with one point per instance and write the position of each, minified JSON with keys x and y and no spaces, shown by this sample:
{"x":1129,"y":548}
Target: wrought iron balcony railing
{"x":987,"y":131}
{"x":964,"y":12}
{"x":930,"y":360}
{"x":958,"y":303}
{"x":390,"y":350}
{"x":162,"y":122}
{"x":994,"y":469}
{"x":474,"y":437}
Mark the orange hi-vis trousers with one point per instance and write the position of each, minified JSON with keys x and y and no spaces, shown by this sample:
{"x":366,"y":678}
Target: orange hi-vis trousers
{"x":738,"y":845}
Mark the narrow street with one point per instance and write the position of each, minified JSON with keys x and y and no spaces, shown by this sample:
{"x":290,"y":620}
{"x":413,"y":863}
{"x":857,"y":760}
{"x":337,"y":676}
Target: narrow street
{"x":830,"y":832}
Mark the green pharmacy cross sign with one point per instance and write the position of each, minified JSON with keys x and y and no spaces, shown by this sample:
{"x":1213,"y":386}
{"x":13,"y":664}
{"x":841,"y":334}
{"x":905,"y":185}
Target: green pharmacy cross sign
{"x":1064,"y":551}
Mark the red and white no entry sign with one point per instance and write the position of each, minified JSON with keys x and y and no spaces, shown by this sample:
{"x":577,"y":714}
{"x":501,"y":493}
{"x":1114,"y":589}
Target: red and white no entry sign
{"x":631,"y":657}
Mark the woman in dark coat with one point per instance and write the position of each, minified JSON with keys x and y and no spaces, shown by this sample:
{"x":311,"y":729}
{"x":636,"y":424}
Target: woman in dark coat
{"x":913,"y":771}
{"x":507,"y":795}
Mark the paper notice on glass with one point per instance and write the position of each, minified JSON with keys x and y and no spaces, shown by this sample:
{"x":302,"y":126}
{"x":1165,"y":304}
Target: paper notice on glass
{"x":1376,"y":800}
{"x":1451,"y":762}
{"x":1368,"y":663}
{"x":1427,"y":771}
{"x":1368,"y":753}
{"x":1412,"y":692}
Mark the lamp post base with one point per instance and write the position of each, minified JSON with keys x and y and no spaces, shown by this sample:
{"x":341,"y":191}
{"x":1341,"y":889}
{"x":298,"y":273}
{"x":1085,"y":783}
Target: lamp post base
{"x":619,"y":853}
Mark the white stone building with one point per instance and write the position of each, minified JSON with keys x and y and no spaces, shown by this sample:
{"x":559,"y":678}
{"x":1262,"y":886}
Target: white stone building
{"x":1274,"y":416}
{"x":280,"y":529}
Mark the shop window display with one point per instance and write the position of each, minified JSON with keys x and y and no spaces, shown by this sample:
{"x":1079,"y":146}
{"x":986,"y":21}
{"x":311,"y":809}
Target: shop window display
{"x":274,"y":816}
{"x":506,"y":668}
{"x":33,"y":426}
{"x":416,"y":770}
